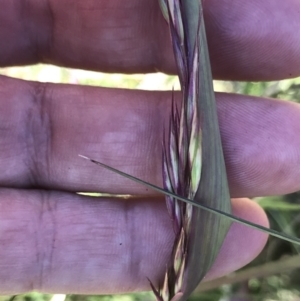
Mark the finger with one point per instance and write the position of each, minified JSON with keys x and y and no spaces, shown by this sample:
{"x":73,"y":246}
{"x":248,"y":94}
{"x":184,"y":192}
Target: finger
{"x":45,"y":127}
{"x":248,"y":40}
{"x":65,"y":243}
{"x":237,"y":237}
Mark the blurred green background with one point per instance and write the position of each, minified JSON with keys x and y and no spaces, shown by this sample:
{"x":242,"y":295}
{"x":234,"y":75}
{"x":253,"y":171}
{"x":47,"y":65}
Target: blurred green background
{"x":275,"y":273}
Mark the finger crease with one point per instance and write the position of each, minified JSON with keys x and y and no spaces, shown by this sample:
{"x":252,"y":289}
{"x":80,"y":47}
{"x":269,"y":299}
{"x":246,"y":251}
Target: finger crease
{"x":39,"y":136}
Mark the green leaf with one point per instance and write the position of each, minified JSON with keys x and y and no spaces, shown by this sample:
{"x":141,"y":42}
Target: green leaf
{"x":208,"y":230}
{"x":276,"y":203}
{"x":229,"y":216}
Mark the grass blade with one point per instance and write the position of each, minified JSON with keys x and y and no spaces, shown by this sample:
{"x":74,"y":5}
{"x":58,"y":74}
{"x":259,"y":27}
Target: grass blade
{"x":198,"y":153}
{"x":233,"y":218}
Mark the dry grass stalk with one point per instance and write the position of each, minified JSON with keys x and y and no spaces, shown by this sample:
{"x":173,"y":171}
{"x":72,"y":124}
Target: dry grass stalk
{"x":268,"y":269}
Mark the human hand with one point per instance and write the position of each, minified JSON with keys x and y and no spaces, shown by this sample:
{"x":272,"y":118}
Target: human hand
{"x":56,"y":241}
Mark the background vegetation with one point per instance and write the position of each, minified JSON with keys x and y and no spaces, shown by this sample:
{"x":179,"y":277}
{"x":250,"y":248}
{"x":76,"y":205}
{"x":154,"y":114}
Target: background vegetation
{"x":275,"y":274}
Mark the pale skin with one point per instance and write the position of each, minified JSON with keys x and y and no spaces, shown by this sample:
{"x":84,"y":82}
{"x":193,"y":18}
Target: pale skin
{"x":53,"y":240}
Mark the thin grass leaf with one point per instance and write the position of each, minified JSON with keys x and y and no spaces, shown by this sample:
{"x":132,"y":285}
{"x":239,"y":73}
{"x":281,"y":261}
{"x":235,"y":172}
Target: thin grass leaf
{"x":233,"y":218}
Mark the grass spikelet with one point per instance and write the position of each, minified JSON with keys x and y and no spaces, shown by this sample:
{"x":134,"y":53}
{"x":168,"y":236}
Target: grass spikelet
{"x":193,"y":168}
{"x":183,"y":155}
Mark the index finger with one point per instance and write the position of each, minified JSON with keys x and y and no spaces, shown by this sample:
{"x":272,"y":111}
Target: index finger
{"x":248,"y":40}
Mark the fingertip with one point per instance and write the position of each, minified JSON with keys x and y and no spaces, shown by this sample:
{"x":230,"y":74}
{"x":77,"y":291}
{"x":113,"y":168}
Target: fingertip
{"x":242,"y":243}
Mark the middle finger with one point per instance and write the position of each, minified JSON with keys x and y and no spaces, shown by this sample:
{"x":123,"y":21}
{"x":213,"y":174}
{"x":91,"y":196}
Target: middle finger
{"x":47,"y":126}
